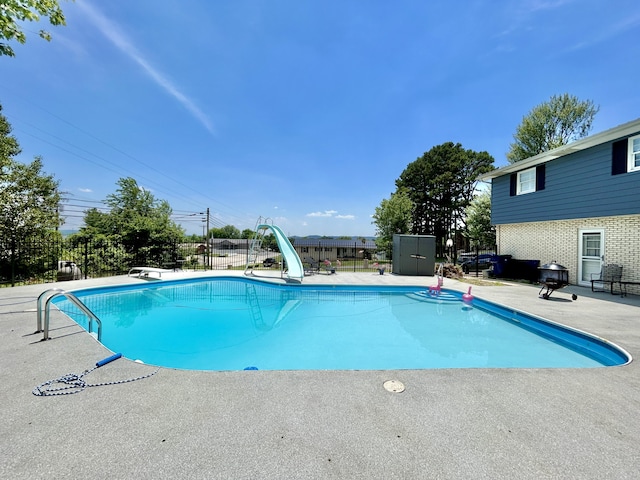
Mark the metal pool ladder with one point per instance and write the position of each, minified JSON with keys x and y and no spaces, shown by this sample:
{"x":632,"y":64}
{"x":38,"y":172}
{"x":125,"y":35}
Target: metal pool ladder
{"x":58,"y":292}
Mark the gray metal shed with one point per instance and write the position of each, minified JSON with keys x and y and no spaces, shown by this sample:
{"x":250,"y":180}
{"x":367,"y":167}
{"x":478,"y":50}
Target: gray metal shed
{"x":414,"y":254}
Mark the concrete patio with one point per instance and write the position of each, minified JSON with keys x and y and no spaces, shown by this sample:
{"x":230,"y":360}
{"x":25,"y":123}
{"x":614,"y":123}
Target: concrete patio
{"x":450,"y":423}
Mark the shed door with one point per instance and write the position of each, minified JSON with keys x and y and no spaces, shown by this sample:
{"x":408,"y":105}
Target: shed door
{"x":591,"y":253}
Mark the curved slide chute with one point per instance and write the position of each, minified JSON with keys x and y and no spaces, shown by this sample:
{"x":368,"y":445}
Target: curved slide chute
{"x":295,"y":270}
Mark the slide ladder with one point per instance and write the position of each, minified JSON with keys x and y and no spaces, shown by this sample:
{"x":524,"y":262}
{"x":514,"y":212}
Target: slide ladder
{"x":254,"y":249}
{"x":254,"y":306}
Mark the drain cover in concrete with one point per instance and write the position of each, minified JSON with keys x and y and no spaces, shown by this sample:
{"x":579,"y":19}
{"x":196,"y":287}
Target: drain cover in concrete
{"x":393,"y":386}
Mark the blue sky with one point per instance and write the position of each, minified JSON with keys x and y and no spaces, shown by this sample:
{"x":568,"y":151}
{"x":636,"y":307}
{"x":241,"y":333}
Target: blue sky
{"x":303,"y":112}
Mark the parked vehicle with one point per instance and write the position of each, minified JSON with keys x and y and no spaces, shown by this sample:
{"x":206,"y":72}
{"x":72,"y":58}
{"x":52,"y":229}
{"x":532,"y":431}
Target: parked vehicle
{"x":482,"y":261}
{"x":269,"y":262}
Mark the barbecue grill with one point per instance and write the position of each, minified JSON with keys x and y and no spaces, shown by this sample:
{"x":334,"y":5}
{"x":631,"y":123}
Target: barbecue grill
{"x":553,"y":277}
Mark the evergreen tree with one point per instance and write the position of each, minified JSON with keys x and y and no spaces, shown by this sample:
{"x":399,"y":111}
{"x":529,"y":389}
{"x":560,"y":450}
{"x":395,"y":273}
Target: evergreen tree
{"x":441,"y":184}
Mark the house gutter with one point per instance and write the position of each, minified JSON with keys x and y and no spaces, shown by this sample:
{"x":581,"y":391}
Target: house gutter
{"x":621,"y":131}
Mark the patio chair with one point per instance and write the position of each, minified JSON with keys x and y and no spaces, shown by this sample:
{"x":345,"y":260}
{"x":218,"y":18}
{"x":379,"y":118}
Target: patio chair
{"x":609,"y":274}
{"x":311,"y":265}
{"x":328,"y":267}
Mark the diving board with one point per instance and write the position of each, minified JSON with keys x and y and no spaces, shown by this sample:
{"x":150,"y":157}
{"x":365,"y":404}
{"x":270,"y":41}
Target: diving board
{"x":145,"y":271}
{"x":295,"y":270}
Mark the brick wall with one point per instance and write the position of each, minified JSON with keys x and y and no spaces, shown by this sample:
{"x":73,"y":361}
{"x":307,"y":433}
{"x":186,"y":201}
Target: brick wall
{"x":559,"y":241}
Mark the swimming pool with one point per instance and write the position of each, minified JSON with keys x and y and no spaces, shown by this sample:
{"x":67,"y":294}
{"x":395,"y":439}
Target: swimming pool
{"x":231,"y":323}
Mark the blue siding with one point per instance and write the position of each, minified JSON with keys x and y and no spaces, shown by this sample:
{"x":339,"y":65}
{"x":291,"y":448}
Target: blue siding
{"x":578,"y":185}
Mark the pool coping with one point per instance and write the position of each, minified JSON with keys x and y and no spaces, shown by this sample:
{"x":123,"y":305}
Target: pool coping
{"x":449,"y":423}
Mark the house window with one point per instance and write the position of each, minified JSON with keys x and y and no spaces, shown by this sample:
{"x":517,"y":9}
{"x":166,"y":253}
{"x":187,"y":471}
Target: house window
{"x":526,"y":181}
{"x":633,"y":157}
{"x":625,"y":155}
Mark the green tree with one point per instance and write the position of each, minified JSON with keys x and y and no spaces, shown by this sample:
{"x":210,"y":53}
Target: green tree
{"x":393,"y":216}
{"x":193,"y":238}
{"x":9,"y":146}
{"x":14,"y":12}
{"x":137,"y":221}
{"x":560,"y":120}
{"x":29,"y":201}
{"x":269,"y":242}
{"x":29,"y":197}
{"x":247,"y":233}
{"x":441,"y":184}
{"x":479,"y":230}
{"x":228,"y":231}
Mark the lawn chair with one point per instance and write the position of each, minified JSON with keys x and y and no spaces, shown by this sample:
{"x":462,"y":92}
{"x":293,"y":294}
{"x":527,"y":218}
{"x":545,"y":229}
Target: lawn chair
{"x":609,"y":274}
{"x":328,"y":267}
{"x":311,"y":265}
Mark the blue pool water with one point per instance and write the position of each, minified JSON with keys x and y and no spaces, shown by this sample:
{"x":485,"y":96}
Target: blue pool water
{"x":236,"y":323}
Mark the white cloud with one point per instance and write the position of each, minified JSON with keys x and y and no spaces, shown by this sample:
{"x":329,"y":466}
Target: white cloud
{"x":120,"y":40}
{"x":346,"y":217}
{"x":608,"y":32}
{"x":85,"y":190}
{"x":326,"y":213}
{"x":537,"y":5}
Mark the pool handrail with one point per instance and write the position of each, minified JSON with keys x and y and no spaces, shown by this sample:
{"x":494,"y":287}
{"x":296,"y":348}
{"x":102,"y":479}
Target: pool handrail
{"x":58,"y":292}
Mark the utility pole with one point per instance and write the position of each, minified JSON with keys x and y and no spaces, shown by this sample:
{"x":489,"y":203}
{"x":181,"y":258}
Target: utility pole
{"x":208,"y":242}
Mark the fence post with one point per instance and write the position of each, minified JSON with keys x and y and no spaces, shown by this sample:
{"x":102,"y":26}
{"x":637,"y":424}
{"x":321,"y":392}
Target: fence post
{"x":13,"y":262}
{"x":477,"y":260}
{"x":355,"y":255}
{"x":86,"y":257}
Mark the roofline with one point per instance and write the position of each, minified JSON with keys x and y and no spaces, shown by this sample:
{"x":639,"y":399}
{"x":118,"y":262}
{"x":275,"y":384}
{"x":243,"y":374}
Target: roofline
{"x":624,"y":130}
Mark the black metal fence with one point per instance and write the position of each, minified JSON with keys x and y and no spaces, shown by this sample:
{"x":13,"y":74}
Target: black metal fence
{"x":475,"y":261}
{"x":43,"y":260}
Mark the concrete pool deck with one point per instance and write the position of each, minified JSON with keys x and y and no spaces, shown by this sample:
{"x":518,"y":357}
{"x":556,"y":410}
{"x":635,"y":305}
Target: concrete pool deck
{"x":450,"y":423}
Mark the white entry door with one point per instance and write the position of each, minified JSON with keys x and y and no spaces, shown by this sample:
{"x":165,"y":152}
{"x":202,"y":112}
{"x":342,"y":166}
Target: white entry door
{"x":591,"y":251}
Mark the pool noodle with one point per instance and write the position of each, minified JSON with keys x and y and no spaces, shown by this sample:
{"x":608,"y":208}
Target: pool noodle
{"x":108,"y":360}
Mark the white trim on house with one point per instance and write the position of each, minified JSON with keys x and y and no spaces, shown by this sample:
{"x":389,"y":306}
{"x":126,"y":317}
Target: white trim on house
{"x":590,"y":262}
{"x":526,"y":182}
{"x":633,"y":159}
{"x":615,"y":133}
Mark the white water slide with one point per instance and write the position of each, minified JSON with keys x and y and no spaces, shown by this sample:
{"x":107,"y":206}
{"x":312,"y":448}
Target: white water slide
{"x":295,"y":270}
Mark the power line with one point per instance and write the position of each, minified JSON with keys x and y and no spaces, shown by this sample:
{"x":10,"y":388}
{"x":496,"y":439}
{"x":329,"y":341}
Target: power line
{"x":119,"y":173}
{"x":214,"y":221}
{"x":147,"y":166}
{"x":180,"y":216}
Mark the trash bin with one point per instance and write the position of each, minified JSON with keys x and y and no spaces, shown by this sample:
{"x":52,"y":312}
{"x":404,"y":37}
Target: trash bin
{"x":526,"y":270}
{"x":504,"y":266}
{"x":499,"y":263}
